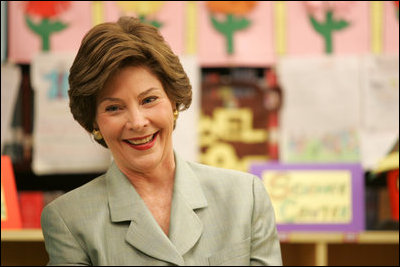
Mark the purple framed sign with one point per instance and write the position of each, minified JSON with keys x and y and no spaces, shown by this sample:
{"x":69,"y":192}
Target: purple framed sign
{"x":315,"y":197}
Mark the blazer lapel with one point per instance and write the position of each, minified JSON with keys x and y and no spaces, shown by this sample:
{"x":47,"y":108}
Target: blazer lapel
{"x":185,"y":226}
{"x":143,"y":233}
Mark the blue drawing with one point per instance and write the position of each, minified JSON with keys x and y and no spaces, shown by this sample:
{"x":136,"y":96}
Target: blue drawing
{"x":58,"y":84}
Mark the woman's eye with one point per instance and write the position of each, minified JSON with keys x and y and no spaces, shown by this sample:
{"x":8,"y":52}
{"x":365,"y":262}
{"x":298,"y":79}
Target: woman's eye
{"x":112,"y":108}
{"x":149,"y":99}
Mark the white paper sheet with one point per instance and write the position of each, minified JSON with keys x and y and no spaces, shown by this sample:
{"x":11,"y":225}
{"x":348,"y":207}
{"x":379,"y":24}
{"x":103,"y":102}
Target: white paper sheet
{"x":380,"y":98}
{"x":10,"y":84}
{"x":185,"y":135}
{"x":60,"y":144}
{"x":320,"y":116}
{"x":339,"y":108}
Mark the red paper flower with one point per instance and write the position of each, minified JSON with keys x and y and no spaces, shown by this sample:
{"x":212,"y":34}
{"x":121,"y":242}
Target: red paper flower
{"x":46,"y":9}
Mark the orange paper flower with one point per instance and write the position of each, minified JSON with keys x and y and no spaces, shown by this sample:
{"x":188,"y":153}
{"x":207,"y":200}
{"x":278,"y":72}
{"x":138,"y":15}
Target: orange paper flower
{"x":231,"y":7}
{"x":46,"y":9}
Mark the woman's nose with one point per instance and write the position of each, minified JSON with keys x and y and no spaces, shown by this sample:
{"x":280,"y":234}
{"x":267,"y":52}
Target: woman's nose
{"x":137,"y":120}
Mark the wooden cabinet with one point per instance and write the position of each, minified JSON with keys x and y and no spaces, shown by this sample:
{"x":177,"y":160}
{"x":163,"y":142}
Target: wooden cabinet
{"x":337,"y":248}
{"x":379,"y":248}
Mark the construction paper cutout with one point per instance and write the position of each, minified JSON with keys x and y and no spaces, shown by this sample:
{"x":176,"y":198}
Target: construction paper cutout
{"x":329,"y":23}
{"x":10,"y":210}
{"x":233,"y":12}
{"x":47,"y":12}
{"x":145,"y":10}
{"x":253,"y":46}
{"x":302,"y":39}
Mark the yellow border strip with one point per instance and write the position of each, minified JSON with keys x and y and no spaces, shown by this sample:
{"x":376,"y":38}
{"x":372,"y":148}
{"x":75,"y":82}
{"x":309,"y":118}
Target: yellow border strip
{"x":191,"y":22}
{"x":279,"y":9}
{"x":376,"y":26}
{"x":97,"y":12}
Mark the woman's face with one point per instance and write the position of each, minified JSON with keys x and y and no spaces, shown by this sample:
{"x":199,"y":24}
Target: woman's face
{"x":135,"y":117}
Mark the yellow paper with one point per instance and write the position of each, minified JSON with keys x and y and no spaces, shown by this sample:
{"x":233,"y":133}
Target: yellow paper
{"x":305,"y":196}
{"x":377,"y":26}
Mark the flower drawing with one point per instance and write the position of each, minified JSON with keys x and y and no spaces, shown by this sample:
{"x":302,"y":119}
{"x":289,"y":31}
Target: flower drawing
{"x":327,"y":17}
{"x":396,"y":5}
{"x":41,"y":18}
{"x":233,"y":13}
{"x":142,"y":9}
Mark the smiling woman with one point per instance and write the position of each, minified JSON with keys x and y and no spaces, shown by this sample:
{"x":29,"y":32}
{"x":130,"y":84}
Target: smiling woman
{"x":151,"y":207}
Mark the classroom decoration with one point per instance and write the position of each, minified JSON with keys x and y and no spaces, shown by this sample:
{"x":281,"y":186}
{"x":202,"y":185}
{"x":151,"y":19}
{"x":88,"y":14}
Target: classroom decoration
{"x":315,"y":197}
{"x":234,"y":19}
{"x":251,"y":47}
{"x":24,"y":43}
{"x":185,"y":135}
{"x":61,"y":144}
{"x":10,"y":210}
{"x":388,"y":168}
{"x":233,"y":121}
{"x":143,"y":9}
{"x":321,"y":111}
{"x":48,"y":23}
{"x":325,"y":17}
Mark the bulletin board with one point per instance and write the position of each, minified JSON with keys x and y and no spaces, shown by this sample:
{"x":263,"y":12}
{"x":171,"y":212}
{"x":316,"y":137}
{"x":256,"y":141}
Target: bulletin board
{"x":315,"y":197}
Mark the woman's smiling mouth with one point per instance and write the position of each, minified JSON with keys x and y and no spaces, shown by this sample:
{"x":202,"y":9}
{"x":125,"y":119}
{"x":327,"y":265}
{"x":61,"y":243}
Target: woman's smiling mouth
{"x":142,"y":143}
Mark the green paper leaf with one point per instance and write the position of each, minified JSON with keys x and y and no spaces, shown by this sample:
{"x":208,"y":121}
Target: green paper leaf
{"x":218,"y":25}
{"x":239,"y":24}
{"x":57,"y":26}
{"x":338,"y":25}
{"x":34,"y":27}
{"x":316,"y":25}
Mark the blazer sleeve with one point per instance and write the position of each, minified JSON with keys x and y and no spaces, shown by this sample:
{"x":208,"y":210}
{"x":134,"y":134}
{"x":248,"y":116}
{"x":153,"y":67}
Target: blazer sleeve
{"x":265,"y":246}
{"x":61,"y":245}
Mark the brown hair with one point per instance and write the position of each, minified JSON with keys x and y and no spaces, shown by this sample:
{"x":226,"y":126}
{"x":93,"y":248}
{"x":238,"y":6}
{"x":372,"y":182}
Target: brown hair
{"x":109,"y":47}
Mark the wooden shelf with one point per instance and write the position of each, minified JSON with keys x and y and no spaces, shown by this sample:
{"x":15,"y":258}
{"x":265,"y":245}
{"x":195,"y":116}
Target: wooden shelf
{"x":373,"y":237}
{"x":23,"y":235}
{"x":298,"y":248}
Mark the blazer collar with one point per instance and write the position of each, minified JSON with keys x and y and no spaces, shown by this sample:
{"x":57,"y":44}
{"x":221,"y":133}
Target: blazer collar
{"x":144,"y":233}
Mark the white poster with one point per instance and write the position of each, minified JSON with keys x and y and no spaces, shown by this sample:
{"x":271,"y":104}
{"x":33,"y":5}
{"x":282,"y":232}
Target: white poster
{"x":10,"y":84}
{"x":320,"y":116}
{"x":185,"y":135}
{"x":380,"y":103}
{"x":60,"y":144}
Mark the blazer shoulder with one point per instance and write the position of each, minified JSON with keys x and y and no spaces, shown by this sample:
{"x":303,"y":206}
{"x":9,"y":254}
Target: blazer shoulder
{"x":223,"y":181}
{"x":210,"y":172}
{"x":88,"y":192}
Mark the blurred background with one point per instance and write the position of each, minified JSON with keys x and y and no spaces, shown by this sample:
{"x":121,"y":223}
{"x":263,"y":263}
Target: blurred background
{"x":304,"y":94}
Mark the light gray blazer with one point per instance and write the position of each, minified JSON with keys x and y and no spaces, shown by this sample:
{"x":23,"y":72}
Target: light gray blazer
{"x":218,"y":217}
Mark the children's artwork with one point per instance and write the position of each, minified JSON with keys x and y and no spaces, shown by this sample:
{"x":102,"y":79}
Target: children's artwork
{"x":61,"y":25}
{"x":46,"y":26}
{"x":233,"y":121}
{"x":145,"y":10}
{"x":325,"y":17}
{"x":168,"y":16}
{"x":315,"y":197}
{"x":10,"y":85}
{"x":380,"y":107}
{"x":233,"y":18}
{"x":185,"y":134}
{"x":320,"y":116}
{"x":319,"y":27}
{"x":10,"y":210}
{"x":235,"y":33}
{"x":61,"y":145}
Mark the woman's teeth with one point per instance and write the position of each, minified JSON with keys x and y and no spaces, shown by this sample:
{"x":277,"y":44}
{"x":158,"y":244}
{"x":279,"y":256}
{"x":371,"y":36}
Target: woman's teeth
{"x":141,"y":141}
